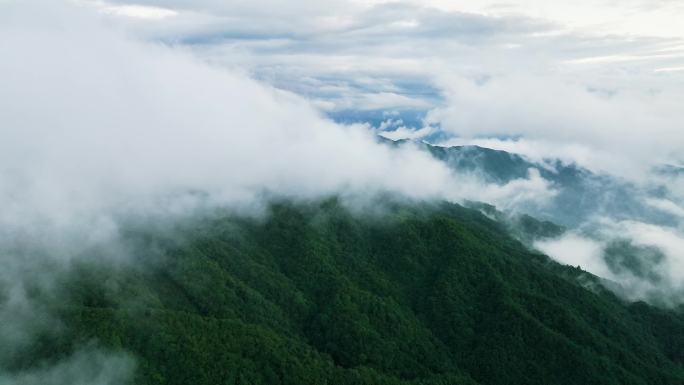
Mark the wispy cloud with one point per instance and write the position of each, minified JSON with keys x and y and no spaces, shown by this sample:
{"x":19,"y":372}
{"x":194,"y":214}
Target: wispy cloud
{"x":545,"y":74}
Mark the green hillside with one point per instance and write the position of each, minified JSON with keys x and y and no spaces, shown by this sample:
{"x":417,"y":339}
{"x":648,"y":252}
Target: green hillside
{"x":315,"y":294}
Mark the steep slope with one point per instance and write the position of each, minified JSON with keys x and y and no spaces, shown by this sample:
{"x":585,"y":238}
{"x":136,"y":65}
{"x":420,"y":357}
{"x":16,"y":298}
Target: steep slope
{"x":315,"y":294}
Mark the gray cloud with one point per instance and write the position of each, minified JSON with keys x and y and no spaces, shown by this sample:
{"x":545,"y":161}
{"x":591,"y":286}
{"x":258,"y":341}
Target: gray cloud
{"x":402,"y":39}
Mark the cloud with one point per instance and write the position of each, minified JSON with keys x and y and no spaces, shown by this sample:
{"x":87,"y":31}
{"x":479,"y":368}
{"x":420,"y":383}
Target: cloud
{"x":575,"y":250}
{"x":667,"y":206}
{"x":628,"y":17}
{"x":141,"y":12}
{"x":394,"y":44}
{"x":668,"y":240}
{"x":85,"y":367}
{"x":486,"y":72}
{"x":403,"y":132}
{"x":110,"y":121}
{"x":625,"y":134}
{"x":643,"y":261}
{"x":95,"y":121}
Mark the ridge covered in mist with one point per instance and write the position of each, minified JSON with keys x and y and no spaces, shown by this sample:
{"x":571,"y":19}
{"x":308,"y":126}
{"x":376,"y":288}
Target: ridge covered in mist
{"x":313,"y":293}
{"x":628,"y":232}
{"x":580,"y":194}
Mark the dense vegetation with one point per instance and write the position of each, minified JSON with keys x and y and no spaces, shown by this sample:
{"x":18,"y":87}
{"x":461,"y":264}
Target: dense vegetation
{"x":315,"y":294}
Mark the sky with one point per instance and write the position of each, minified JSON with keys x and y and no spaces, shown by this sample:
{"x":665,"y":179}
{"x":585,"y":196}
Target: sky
{"x":594,"y":82}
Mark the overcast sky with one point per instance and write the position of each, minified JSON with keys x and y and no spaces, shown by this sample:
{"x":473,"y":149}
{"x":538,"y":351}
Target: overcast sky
{"x":597,"y":82}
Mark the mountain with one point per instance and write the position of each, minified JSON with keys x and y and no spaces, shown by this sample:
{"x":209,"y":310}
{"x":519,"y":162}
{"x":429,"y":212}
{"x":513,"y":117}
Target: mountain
{"x":669,"y":170}
{"x":319,"y":293}
{"x":522,"y":227}
{"x":581,"y":196}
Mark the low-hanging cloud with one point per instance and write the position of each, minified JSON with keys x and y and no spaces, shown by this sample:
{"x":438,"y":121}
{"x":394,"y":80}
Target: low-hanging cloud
{"x":548,"y":117}
{"x":643,"y":261}
{"x":93,"y":120}
{"x":96,"y":126}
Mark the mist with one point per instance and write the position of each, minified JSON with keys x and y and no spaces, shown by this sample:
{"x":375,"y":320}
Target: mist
{"x":93,"y":121}
{"x":85,"y":367}
{"x":96,"y":122}
{"x":99,"y":129}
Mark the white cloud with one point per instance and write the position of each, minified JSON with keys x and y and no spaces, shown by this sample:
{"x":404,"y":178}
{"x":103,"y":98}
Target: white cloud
{"x":658,"y":280}
{"x":92,"y":119}
{"x":669,"y":69}
{"x":138,"y":11}
{"x":667,"y":206}
{"x":627,"y":17}
{"x":668,"y":240}
{"x":532,"y":192}
{"x":614,"y":109}
{"x":404,"y":132}
{"x":625,"y":133}
{"x":575,"y":250}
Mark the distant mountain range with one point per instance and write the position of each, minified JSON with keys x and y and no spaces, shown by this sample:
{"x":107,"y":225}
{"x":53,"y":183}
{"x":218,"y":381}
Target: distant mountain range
{"x":582,"y":194}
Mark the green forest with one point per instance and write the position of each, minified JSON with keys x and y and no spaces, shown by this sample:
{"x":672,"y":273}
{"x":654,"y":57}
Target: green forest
{"x":319,"y":293}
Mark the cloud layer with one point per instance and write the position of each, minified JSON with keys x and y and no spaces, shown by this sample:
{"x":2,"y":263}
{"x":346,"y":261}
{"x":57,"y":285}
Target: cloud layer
{"x":548,"y":76}
{"x":643,"y":261}
{"x":99,"y":127}
{"x":91,"y":119}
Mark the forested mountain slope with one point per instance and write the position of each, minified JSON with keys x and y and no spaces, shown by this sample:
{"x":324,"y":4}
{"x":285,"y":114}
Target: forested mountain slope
{"x":318,"y":294}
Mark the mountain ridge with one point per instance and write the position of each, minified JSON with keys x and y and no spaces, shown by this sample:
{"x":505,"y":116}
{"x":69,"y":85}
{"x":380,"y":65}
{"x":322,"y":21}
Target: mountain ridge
{"x":582,"y":196}
{"x":424,"y":293}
